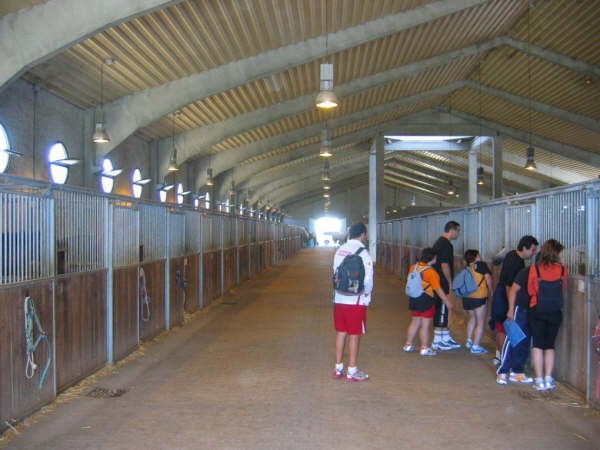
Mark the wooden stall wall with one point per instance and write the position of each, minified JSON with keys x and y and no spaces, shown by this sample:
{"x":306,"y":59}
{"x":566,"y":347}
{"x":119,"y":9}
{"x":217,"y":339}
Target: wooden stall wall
{"x":80,"y":326}
{"x":211,"y":277}
{"x":177,"y":290}
{"x":18,"y":395}
{"x":230,"y":268}
{"x":152,"y":316}
{"x":192,"y":290}
{"x":397,"y":261}
{"x":244,"y":254}
{"x":125,"y":311}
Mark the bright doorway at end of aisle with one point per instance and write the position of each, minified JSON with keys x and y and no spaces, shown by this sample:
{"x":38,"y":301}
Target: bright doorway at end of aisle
{"x":328,"y":230}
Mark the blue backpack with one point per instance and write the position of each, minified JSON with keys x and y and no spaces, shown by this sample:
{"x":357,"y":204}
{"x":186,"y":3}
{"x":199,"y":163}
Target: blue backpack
{"x":464,"y":283}
{"x":414,"y":283}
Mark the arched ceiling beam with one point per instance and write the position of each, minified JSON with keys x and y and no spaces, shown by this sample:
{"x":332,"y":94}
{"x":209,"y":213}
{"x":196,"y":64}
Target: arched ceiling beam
{"x":32,"y":35}
{"x":566,"y":150}
{"x":124,"y":116}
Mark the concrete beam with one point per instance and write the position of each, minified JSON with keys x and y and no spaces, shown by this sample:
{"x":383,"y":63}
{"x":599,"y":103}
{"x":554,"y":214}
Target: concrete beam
{"x":556,"y":58}
{"x":127,"y":114}
{"x":550,"y":145}
{"x":33,"y":35}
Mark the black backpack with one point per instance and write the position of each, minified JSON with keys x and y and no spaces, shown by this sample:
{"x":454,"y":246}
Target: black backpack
{"x":550,"y":293}
{"x":349,"y":277}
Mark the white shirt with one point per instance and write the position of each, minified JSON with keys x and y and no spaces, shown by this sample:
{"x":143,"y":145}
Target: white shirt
{"x":349,"y":248}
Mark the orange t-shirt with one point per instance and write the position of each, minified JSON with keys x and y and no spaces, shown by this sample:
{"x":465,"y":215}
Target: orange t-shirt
{"x":431,"y":279}
{"x":550,"y":272}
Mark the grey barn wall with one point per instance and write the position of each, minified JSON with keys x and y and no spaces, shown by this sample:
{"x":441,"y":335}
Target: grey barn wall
{"x":57,"y":120}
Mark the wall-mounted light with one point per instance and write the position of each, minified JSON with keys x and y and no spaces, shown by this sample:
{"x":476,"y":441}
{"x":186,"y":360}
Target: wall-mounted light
{"x":100,"y":135}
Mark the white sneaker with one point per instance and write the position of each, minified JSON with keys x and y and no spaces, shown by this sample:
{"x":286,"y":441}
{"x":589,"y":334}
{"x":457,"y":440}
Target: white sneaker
{"x":520,"y":378}
{"x":539,"y":384}
{"x":357,"y":376}
{"x":408,"y":348}
{"x":441,"y":346}
{"x":478,"y":350}
{"x":428,"y":352}
{"x":469,"y":343}
{"x":452,"y":342}
{"x":549,"y":383}
{"x":502,"y":379}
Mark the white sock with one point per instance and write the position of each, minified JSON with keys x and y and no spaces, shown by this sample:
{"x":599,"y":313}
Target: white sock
{"x":445,"y":336}
{"x":437,"y":337}
{"x":352,"y":370}
{"x":339,"y":366}
{"x":498,"y":354}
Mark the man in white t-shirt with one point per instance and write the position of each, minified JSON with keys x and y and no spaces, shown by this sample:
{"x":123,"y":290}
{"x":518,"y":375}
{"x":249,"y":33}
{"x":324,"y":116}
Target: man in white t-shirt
{"x":350,"y":311}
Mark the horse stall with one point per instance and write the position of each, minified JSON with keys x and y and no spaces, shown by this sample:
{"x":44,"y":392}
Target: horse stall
{"x":178,"y":264}
{"x":125,"y":274}
{"x":26,"y":303}
{"x":243,"y":250}
{"x":81,"y":285}
{"x":152,"y":256}
{"x":211,"y":259}
{"x":229,"y":252}
{"x":193,"y":249}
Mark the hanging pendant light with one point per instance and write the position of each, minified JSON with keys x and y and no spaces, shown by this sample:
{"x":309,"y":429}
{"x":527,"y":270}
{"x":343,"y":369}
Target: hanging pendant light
{"x":451,"y":190}
{"x":325,"y":174}
{"x":209,"y":177}
{"x":325,"y":150}
{"x":100,"y":135}
{"x":480,"y":179}
{"x":327,"y":99}
{"x":326,"y":187}
{"x":173,"y":167}
{"x":530,"y":163}
{"x":413,"y":200}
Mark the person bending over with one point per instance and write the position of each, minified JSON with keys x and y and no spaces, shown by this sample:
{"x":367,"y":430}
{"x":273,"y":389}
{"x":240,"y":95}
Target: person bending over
{"x":422,"y":308}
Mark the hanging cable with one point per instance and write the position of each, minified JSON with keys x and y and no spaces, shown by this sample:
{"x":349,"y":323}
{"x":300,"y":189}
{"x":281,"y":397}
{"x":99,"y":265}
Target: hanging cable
{"x":31,"y":345}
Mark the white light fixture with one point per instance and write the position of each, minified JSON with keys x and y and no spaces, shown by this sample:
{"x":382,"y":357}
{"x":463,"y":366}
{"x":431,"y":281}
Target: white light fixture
{"x":327,"y":99}
{"x":326,"y":187}
{"x":325,"y":150}
{"x":209,"y":177}
{"x":325,"y":174}
{"x":451,"y":190}
{"x":172,"y":167}
{"x":107,"y":174}
{"x":480,"y":179}
{"x":100,"y":135}
{"x":326,"y":195}
{"x":530,"y":163}
{"x":413,"y":200}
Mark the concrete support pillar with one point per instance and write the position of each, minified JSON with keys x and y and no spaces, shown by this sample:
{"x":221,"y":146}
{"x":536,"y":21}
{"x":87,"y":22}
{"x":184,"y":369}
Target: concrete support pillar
{"x":376,"y":206}
{"x":497,"y":188}
{"x":89,"y":150}
{"x":472,"y":176}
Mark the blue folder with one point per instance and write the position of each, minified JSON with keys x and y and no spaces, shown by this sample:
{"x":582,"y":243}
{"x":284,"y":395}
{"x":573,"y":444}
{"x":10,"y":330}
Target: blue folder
{"x":513,"y":332}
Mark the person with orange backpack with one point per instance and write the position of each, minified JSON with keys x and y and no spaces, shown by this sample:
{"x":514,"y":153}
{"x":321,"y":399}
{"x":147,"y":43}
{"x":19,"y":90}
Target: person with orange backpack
{"x":546,"y":284}
{"x":423,"y":281}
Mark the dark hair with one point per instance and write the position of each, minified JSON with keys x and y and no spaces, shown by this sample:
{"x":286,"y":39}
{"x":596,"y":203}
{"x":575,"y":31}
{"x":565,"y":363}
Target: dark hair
{"x":550,"y":253}
{"x":471,"y":255}
{"x":356,"y":230}
{"x":527,"y":242}
{"x":428,"y":254}
{"x":452,"y":225}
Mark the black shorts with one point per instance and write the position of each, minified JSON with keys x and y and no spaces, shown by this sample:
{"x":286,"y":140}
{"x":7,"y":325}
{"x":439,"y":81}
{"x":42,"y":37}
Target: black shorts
{"x":440,"y":316}
{"x":544,"y":328}
{"x":469,"y":304}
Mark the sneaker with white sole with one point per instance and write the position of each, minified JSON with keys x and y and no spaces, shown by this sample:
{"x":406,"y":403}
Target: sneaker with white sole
{"x":339,"y":373}
{"x":496,"y":361}
{"x":441,"y":346}
{"x":408,"y":348}
{"x":478,"y":350}
{"x":469,"y":343}
{"x":502,"y":379}
{"x":357,"y":376}
{"x":428,"y":352}
{"x":539,"y":384}
{"x":520,"y":378}
{"x":549,"y":383}
{"x":452,"y":343}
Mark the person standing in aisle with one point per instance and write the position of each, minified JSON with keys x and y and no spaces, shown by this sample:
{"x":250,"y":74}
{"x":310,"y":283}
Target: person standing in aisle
{"x":350,"y":311}
{"x":513,"y":263}
{"x":445,"y":268}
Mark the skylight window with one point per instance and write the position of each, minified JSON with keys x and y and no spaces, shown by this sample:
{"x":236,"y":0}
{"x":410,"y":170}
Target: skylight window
{"x":426,"y":138}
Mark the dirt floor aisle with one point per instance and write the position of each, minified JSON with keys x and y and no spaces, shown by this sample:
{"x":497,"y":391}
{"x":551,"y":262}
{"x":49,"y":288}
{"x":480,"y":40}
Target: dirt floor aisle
{"x":255,"y":372}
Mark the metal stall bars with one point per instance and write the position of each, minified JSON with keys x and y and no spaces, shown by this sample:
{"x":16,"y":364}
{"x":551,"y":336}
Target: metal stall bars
{"x":175,"y":290}
{"x":83,"y":253}
{"x":26,"y":282}
{"x":211,"y":258}
{"x":123,"y":324}
{"x":193,"y":254}
{"x":153,"y":262}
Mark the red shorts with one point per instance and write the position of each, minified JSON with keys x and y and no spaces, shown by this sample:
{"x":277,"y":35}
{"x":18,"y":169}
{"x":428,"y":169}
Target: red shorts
{"x":426,"y":314}
{"x":351,"y":319}
{"x":499,"y":327}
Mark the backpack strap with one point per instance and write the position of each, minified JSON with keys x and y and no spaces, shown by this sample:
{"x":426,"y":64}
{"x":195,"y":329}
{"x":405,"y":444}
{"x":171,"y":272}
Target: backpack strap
{"x":482,"y":276}
{"x":360,"y":250}
{"x":420,"y":271}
